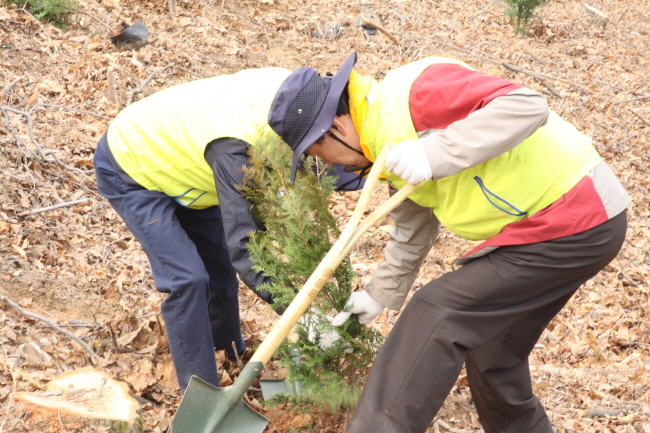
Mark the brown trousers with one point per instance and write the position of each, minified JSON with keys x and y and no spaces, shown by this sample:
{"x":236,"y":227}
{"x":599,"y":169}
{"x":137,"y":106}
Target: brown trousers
{"x":488,"y":314}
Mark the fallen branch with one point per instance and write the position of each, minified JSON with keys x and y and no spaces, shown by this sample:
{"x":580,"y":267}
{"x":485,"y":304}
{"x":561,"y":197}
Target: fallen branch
{"x":541,"y":76}
{"x":144,"y":83}
{"x":599,"y":17}
{"x":550,"y":88}
{"x":11,"y":395}
{"x":110,"y":29}
{"x":30,"y":130}
{"x":268,"y":38}
{"x":471,"y":51}
{"x":112,"y":93}
{"x":20,"y":179}
{"x":190,"y":72}
{"x":57,"y":328}
{"x":76,"y":110}
{"x":30,"y":127}
{"x":639,"y":116}
{"x":43,"y":30}
{"x":632,"y":100}
{"x":9,"y":86}
{"x":381,"y":29}
{"x":48,"y":208}
{"x":626,"y":140}
{"x":595,"y":413}
{"x":620,"y":271}
{"x":569,"y":372}
{"x":170,"y":6}
{"x":116,"y":346}
{"x":496,"y":61}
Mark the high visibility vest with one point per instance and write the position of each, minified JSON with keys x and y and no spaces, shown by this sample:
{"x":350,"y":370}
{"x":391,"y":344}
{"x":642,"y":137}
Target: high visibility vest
{"x":160,"y":140}
{"x":478,"y":202}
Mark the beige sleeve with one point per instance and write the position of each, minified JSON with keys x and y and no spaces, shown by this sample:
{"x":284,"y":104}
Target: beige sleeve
{"x":416,"y":229}
{"x":496,"y":128}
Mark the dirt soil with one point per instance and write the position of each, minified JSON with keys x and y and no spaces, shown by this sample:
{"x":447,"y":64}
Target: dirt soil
{"x":77,"y":266}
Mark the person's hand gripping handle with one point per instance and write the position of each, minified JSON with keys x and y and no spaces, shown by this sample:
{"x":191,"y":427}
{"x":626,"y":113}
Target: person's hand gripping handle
{"x":361,"y":304}
{"x":409,"y":161}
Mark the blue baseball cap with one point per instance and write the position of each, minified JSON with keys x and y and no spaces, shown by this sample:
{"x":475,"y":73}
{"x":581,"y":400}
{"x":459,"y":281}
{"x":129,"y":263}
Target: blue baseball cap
{"x":305,"y":106}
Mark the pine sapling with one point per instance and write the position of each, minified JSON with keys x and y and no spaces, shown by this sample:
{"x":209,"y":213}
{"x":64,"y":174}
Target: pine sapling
{"x":299,"y":232}
{"x":521,"y":12}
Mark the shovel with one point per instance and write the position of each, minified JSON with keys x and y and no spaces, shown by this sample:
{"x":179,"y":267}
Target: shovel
{"x":209,"y":409}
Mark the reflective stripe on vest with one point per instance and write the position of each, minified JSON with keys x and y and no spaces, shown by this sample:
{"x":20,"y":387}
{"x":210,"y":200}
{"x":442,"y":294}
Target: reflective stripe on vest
{"x":160,"y":140}
{"x":478,"y":202}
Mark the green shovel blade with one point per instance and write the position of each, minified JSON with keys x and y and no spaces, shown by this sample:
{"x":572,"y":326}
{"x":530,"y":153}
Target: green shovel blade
{"x":208,"y":409}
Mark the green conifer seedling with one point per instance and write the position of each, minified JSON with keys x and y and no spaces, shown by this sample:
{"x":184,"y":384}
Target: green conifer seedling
{"x":299,"y":232}
{"x":56,"y":12}
{"x":521,"y":12}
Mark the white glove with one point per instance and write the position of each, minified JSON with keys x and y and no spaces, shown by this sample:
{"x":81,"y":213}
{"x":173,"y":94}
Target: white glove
{"x":363,"y":305}
{"x":408,"y":161}
{"x":311,"y":321}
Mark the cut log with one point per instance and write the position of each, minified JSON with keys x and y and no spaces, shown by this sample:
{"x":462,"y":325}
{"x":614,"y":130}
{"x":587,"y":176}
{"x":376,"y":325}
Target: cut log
{"x":89,"y":393}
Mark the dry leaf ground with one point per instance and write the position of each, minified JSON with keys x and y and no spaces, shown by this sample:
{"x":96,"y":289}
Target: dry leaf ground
{"x":77,"y":265}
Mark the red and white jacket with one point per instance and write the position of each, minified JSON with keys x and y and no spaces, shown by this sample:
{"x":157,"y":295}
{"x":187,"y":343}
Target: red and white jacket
{"x":472,"y":117}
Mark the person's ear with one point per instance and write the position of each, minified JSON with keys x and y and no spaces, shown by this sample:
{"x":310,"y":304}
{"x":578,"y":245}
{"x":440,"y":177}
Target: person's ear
{"x":340,"y":126}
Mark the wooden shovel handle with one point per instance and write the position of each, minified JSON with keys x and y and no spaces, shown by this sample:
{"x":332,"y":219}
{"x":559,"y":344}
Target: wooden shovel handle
{"x":350,"y":235}
{"x":377,"y":215}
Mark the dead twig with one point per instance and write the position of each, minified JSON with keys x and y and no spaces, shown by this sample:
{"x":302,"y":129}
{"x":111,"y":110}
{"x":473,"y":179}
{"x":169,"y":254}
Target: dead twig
{"x":234,"y":349}
{"x":599,"y":17}
{"x":20,"y":179}
{"x":43,"y":30}
{"x":190,"y":72}
{"x":101,"y":388}
{"x":627,"y":278}
{"x":78,"y":324}
{"x":485,"y":9}
{"x":112,"y":93}
{"x":110,"y":29}
{"x":30,"y":129}
{"x":626,"y":140}
{"x":170,"y":6}
{"x":11,"y":396}
{"x":268,"y":38}
{"x":550,"y":88}
{"x":543,"y":76}
{"x":76,"y":110}
{"x":472,"y":51}
{"x":595,"y":413}
{"x":144,"y":83}
{"x":577,"y":371}
{"x":639,"y":116}
{"x":12,"y":84}
{"x":116,"y":345}
{"x":57,"y":328}
{"x":48,"y":208}
{"x":631,"y":100}
{"x":381,"y":29}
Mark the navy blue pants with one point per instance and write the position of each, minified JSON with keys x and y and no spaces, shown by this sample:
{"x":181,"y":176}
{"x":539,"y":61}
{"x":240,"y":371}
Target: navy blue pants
{"x":190,"y":262}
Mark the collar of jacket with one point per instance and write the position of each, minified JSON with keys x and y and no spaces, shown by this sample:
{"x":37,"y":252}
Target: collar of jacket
{"x":358,"y":88}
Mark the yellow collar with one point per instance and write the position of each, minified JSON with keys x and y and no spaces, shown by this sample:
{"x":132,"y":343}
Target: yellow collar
{"x":358,"y":88}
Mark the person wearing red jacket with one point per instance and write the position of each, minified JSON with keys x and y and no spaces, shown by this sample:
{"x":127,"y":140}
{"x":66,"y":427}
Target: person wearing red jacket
{"x":494,"y":163}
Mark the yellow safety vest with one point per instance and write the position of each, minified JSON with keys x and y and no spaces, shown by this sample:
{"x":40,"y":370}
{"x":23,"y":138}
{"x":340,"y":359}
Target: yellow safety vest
{"x":478,"y":202}
{"x":160,"y":140}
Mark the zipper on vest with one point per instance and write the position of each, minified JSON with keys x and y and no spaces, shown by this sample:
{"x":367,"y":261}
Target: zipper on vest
{"x":488,"y":194}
